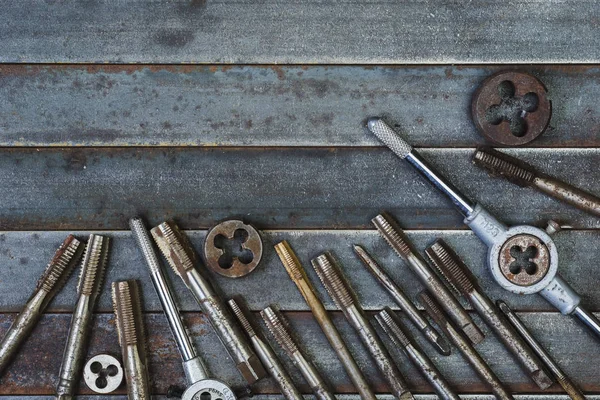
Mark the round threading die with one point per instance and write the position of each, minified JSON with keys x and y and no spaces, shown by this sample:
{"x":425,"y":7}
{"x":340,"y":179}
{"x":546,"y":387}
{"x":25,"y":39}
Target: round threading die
{"x":103,"y":374}
{"x":233,"y":249}
{"x":511,"y":108}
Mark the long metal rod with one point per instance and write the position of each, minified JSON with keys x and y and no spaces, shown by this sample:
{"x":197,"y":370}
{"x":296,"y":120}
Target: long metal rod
{"x":562,"y":378}
{"x":56,"y":274}
{"x":392,"y":325}
{"x":393,"y":234}
{"x":298,"y":275}
{"x":407,"y":306}
{"x":459,"y":276}
{"x":339,"y":289}
{"x":468,"y":351}
{"x":88,"y":290}
{"x":193,"y":364}
{"x":405,"y":151}
{"x":588,"y":318}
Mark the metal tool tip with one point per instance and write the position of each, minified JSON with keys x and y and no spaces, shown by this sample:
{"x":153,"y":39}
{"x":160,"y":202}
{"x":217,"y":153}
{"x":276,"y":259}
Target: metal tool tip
{"x":503,"y":307}
{"x":388,"y":136}
{"x":438,"y":341}
{"x":406,"y":396}
{"x":373,"y":121}
{"x":542,"y":379}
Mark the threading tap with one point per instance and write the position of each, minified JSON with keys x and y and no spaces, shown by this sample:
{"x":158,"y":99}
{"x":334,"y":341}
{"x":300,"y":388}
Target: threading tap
{"x":53,"y":279}
{"x":407,"y":306}
{"x":523,"y":174}
{"x":130,"y":327}
{"x":278,"y":327}
{"x":267,"y":356}
{"x":453,"y":269}
{"x":193,"y":366}
{"x":339,"y":289}
{"x":468,"y":351}
{"x":182,"y":258}
{"x":298,"y":275}
{"x":564,"y":381}
{"x":90,"y":285}
{"x":388,"y":228}
{"x":392,"y":325}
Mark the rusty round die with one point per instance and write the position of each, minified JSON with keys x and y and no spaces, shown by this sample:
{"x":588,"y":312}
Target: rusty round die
{"x":103,"y":374}
{"x":233,"y":249}
{"x":511,"y":108}
{"x":524,"y":260}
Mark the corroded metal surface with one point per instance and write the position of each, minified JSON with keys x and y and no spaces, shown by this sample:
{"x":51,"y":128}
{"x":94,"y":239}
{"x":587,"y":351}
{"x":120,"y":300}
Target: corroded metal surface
{"x":228,"y":261}
{"x":162,"y":105}
{"x":511,"y":108}
{"x":324,"y":187}
{"x":572,"y":346}
{"x":352,"y":32}
{"x":25,"y":253}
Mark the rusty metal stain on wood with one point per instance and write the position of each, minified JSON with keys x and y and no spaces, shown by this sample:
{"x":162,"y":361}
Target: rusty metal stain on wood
{"x":34,"y":370}
{"x":166,"y":105}
{"x":25,"y":256}
{"x":353,"y":32}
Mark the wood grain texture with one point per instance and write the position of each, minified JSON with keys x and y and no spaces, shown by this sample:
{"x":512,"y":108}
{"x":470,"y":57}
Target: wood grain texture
{"x":71,"y":188}
{"x":25,"y":255}
{"x":285,"y":31}
{"x":165,"y":105}
{"x":34,"y":370}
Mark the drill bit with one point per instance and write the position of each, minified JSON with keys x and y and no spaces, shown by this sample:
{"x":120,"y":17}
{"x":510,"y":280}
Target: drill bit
{"x":523,"y":174}
{"x":278,"y":327}
{"x":339,"y":290}
{"x":392,"y":325}
{"x":132,"y":339}
{"x":176,"y":248}
{"x":456,"y":272}
{"x":391,"y":232}
{"x":298,"y":275}
{"x":467,"y":350}
{"x":193,"y":365}
{"x":267,"y":356}
{"x":90,"y":285}
{"x":55,"y":276}
{"x":561,"y":377}
{"x":434,"y":337}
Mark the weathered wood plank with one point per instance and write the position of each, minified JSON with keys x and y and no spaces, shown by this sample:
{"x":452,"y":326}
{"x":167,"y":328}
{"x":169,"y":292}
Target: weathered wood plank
{"x":269,"y":106}
{"x":284,"y":31}
{"x":339,"y":396}
{"x":25,"y":254}
{"x":70,"y":188}
{"x":34,"y":370}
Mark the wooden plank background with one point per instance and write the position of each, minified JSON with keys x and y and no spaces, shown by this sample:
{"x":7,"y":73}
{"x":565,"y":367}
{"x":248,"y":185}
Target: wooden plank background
{"x":205,"y":110}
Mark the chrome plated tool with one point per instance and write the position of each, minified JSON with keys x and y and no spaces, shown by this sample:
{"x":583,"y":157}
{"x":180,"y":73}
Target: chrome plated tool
{"x":523,"y":174}
{"x":392,"y":325}
{"x":132,"y":338}
{"x":522,"y":259}
{"x":411,"y":311}
{"x":459,"y":276}
{"x":267,"y":356}
{"x":298,"y":275}
{"x":561,"y":377}
{"x":55,"y":276}
{"x":463,"y":345}
{"x":193,"y":366}
{"x":90,"y":285}
{"x":395,"y":237}
{"x":279,"y":328}
{"x":339,"y":290}
{"x":182,"y":258}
